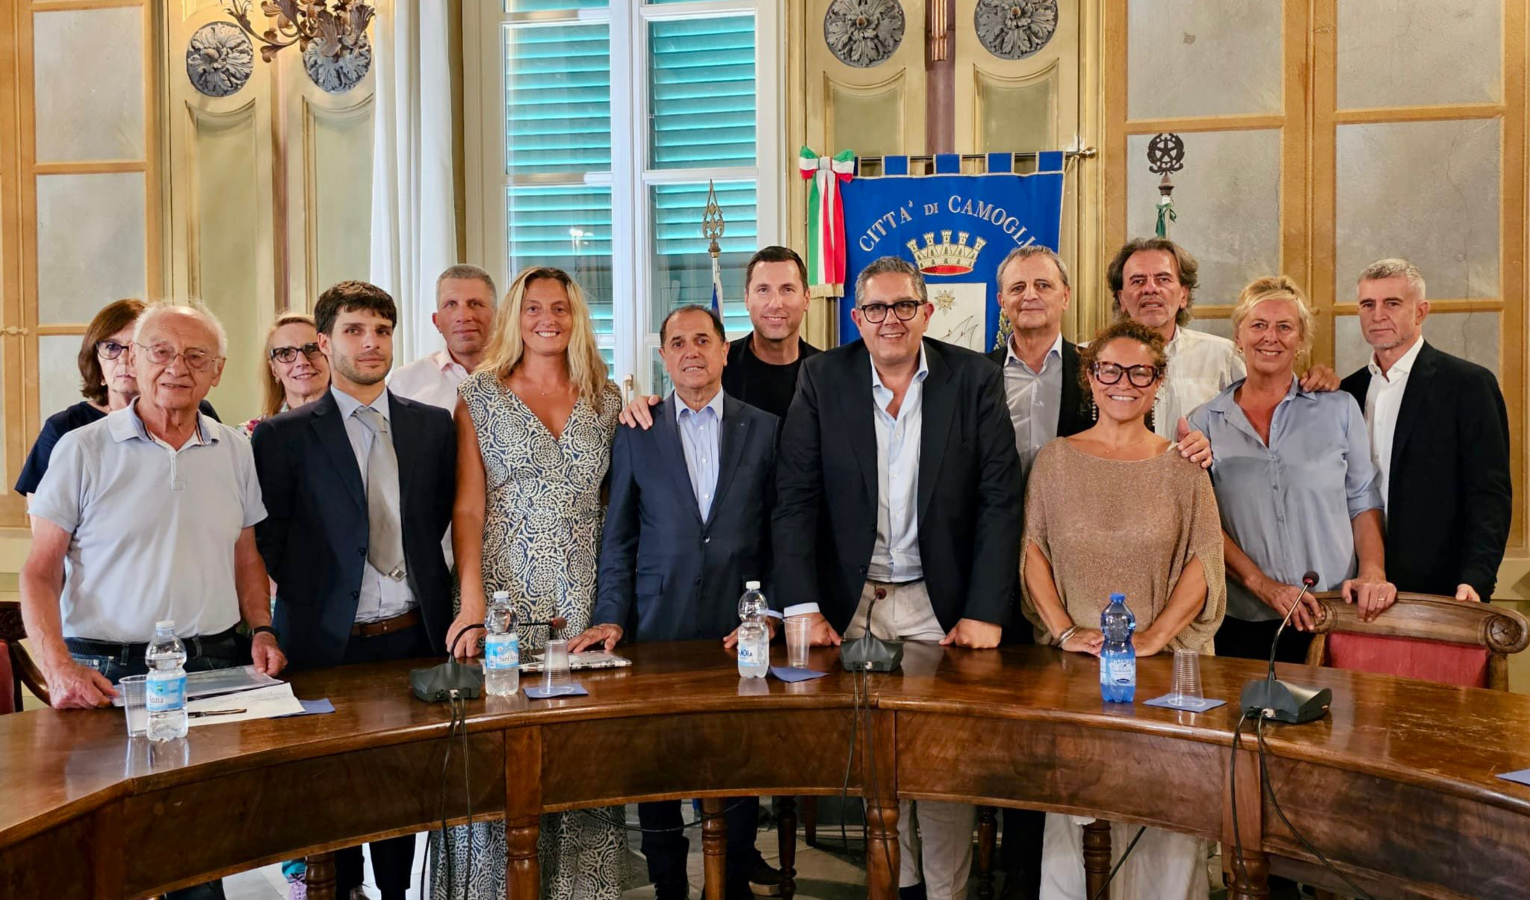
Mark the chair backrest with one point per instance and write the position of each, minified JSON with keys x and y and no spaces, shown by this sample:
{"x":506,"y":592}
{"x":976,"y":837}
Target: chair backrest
{"x":20,"y":669}
{"x":1422,"y":636}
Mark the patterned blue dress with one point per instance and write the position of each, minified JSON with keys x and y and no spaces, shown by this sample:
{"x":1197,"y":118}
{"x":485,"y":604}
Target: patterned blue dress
{"x":541,"y":539}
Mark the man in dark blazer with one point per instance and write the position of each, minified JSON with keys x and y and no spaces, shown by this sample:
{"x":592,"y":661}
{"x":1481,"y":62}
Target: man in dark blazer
{"x":359,"y":487}
{"x":686,"y":527}
{"x":1440,"y":439}
{"x":898,"y":484}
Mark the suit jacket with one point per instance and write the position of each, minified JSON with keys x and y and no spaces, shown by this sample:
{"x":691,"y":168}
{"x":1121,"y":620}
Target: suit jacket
{"x":1449,"y":498}
{"x":969,"y":495}
{"x":663,"y":571}
{"x":314,"y":537}
{"x":1073,"y":414}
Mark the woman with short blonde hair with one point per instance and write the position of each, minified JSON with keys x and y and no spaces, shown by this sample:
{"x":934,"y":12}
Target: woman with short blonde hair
{"x":296,"y":372}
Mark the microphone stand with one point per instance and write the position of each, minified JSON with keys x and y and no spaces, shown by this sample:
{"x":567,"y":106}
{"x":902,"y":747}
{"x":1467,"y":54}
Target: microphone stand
{"x":1272,"y":699}
{"x":869,"y":653}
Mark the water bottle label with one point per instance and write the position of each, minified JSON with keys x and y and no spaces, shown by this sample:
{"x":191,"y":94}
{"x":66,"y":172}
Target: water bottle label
{"x":746,"y":654}
{"x":502,"y":651}
{"x":165,"y":695}
{"x":1123,"y":671}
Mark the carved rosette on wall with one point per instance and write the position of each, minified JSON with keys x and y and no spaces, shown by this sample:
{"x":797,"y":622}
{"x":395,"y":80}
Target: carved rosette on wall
{"x":338,"y":74}
{"x":1015,"y":29}
{"x":219,"y":59}
{"x":863,"y":33}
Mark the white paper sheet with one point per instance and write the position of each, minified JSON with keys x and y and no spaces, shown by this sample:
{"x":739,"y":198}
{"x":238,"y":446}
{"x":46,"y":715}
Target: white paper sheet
{"x":261,"y":703}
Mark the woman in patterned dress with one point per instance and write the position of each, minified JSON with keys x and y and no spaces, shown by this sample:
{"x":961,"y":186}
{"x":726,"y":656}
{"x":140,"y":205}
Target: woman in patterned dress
{"x":534,"y":431}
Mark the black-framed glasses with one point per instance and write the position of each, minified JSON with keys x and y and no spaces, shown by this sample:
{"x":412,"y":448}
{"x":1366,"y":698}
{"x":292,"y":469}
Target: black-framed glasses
{"x":1139,"y":376}
{"x":109,"y":349}
{"x":903,"y":309}
{"x":288,"y":354}
{"x":196,"y":358}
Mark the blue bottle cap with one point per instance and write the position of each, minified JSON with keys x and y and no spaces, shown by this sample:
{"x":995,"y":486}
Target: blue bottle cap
{"x":1115,"y":597}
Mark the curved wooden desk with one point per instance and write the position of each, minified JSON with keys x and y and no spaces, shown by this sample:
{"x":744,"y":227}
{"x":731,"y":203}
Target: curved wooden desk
{"x":1397,"y":786}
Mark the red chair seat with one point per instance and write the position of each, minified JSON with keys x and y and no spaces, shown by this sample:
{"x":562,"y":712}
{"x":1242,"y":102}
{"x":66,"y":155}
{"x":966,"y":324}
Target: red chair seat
{"x":7,"y":681}
{"x":1446,"y":663}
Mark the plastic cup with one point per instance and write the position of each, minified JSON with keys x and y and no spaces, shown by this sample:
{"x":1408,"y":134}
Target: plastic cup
{"x":1187,"y":677}
{"x":134,"y":702}
{"x":798,"y":630}
{"x":556,"y":675}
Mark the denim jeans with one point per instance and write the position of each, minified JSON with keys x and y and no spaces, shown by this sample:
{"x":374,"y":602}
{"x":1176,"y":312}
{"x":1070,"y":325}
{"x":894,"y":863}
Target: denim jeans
{"x":117,"y":667}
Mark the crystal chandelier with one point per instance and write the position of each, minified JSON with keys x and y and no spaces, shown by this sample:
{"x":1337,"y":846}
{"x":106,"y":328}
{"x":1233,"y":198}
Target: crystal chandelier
{"x":335,"y":27}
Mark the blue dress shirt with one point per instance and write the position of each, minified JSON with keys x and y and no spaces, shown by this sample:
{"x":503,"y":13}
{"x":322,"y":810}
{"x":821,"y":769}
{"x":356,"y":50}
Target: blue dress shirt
{"x":895,"y":555}
{"x":1289,"y":505}
{"x":699,"y":430}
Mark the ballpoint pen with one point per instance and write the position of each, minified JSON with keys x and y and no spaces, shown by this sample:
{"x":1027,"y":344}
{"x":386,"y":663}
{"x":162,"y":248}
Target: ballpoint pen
{"x":214,"y":712}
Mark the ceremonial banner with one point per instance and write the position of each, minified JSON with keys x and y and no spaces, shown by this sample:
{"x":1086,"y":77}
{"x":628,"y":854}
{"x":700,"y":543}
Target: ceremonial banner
{"x":957,"y":229}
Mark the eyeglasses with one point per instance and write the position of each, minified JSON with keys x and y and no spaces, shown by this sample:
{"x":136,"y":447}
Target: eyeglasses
{"x":109,"y":349}
{"x":196,"y":358}
{"x":288,"y":354}
{"x":1139,"y":376}
{"x":903,"y":309}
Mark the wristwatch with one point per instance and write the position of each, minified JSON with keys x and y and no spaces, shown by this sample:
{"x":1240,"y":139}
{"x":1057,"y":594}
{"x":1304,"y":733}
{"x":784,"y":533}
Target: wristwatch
{"x":266,"y":629}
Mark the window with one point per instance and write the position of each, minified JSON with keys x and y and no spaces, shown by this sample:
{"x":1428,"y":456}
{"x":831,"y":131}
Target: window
{"x":602,"y":125}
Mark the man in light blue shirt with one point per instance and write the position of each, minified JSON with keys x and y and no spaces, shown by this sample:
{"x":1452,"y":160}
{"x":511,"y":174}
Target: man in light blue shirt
{"x":686,"y":527}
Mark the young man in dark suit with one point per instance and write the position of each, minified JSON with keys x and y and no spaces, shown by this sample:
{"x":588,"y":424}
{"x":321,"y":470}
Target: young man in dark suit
{"x":359,"y":487}
{"x":687,"y":526}
{"x":1440,"y":439}
{"x":898,"y":484}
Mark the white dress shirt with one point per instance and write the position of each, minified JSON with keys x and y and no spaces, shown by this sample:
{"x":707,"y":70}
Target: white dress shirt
{"x":895,"y":556}
{"x":432,"y":379}
{"x":1035,"y":399}
{"x":700,"y":431}
{"x":1201,"y":366}
{"x":381,"y":597}
{"x":1383,"y":400}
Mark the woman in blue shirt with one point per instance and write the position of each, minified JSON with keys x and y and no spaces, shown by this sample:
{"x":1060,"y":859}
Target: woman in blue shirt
{"x":1294,"y":480}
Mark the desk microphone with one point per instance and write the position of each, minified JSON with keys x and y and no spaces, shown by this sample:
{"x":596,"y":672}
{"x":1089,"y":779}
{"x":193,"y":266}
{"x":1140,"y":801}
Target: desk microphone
{"x":869,"y":653}
{"x":1278,"y":700}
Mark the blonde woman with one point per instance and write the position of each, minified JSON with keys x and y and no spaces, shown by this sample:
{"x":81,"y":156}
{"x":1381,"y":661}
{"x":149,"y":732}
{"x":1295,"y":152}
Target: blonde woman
{"x":534,"y":430}
{"x":298,"y":372}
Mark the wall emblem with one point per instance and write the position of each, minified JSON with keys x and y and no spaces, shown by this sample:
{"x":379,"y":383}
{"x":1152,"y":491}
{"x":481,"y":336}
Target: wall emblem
{"x":863,"y":33}
{"x":1015,"y":29}
{"x":219,"y":59}
{"x":341,"y":72}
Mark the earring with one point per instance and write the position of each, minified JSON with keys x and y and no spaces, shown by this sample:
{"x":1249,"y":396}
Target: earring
{"x":1094,"y":411}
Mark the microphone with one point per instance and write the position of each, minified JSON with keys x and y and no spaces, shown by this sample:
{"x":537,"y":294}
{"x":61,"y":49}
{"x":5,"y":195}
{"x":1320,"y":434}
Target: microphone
{"x":869,"y":653}
{"x":1278,"y":700}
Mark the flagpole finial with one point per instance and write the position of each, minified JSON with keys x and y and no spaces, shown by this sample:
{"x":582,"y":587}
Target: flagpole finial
{"x":712,"y":223}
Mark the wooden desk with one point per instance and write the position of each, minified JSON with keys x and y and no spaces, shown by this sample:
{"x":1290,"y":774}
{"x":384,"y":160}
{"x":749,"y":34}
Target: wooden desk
{"x":1396,"y":786}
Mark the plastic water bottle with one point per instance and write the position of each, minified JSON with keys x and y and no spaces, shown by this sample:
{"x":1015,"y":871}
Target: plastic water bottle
{"x":1118,"y":658}
{"x":753,"y":635}
{"x":502,"y":648}
{"x":165,"y":688}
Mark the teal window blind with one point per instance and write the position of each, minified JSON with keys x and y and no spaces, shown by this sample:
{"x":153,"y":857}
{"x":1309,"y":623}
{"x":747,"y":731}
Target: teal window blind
{"x":557,"y":98}
{"x":702,"y":93}
{"x":567,"y":226}
{"x":682,"y":268}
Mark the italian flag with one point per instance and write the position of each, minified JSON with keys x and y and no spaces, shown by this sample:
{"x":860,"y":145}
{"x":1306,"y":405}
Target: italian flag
{"x":826,"y":219}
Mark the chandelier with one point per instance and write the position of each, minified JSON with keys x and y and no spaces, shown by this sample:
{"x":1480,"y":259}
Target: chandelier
{"x":335,"y":27}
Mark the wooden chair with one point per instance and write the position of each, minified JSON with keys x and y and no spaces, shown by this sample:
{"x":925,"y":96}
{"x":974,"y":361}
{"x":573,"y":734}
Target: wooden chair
{"x":1423,"y":636}
{"x":22,"y":669}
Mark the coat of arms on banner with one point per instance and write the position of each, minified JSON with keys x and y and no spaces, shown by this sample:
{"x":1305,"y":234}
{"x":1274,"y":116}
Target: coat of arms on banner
{"x":956,"y":229}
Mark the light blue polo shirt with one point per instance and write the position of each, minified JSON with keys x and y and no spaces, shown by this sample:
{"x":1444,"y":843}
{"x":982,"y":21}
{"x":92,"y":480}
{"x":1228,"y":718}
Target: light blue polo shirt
{"x":153,"y":528}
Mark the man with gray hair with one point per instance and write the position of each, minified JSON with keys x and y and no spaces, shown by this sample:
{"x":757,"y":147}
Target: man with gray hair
{"x":102,"y":572}
{"x":1440,"y":440}
{"x":464,"y":315}
{"x":898,"y":511}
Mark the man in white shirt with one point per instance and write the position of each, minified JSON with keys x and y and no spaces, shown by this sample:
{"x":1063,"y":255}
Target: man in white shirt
{"x":1153,"y":281}
{"x":464,"y":315}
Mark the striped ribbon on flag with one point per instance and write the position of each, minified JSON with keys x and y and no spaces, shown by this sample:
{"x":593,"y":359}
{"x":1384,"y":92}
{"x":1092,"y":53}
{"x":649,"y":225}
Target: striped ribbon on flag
{"x":826,"y":219}
{"x":717,"y":292}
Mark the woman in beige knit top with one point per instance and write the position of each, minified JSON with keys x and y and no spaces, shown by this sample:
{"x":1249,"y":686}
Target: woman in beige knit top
{"x":1110,"y":509}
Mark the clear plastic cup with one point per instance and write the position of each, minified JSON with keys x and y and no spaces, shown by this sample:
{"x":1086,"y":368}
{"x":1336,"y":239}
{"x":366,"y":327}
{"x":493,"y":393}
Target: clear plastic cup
{"x":556,"y":675}
{"x":134,"y":704}
{"x":798,"y":630}
{"x":1187,"y":678}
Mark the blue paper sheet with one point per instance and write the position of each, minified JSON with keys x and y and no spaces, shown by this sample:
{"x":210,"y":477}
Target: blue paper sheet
{"x":312,"y":708}
{"x":1186,"y":705}
{"x":789,"y":674}
{"x":1520,"y":777}
{"x":536,"y":693}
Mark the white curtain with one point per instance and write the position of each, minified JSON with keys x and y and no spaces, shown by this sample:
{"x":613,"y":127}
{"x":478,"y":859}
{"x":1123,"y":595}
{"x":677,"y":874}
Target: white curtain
{"x":414,"y":222}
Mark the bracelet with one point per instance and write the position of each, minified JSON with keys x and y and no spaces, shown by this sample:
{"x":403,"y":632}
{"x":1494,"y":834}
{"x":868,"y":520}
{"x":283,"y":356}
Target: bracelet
{"x":1063,"y":638}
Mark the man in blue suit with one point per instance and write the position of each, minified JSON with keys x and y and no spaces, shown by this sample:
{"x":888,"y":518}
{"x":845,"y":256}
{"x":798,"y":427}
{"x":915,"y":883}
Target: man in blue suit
{"x":687,"y":525}
{"x":359,"y":488}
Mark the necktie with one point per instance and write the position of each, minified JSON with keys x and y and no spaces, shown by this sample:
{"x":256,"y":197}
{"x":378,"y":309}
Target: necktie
{"x":385,"y":541}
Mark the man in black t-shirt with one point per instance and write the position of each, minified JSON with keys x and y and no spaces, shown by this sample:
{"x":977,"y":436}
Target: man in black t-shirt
{"x":762,"y":365}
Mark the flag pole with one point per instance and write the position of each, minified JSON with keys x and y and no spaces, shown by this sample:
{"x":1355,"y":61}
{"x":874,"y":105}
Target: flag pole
{"x":712,"y":226}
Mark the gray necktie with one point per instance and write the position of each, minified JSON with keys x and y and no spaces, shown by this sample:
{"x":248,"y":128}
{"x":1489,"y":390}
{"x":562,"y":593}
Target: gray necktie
{"x":385,"y":542}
